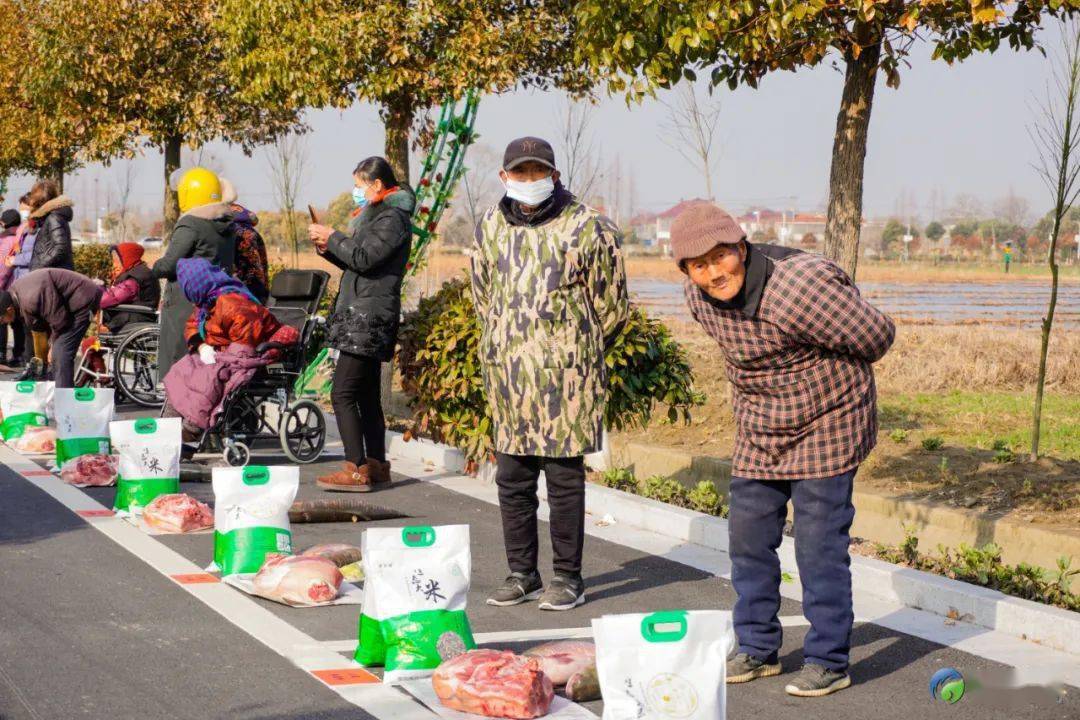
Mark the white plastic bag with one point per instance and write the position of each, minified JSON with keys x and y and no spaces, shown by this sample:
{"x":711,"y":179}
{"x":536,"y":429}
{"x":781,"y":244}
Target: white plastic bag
{"x":149,"y":451}
{"x":25,"y":404}
{"x":416,"y":581}
{"x":82,"y":422}
{"x":664,"y":665}
{"x":251,"y":515}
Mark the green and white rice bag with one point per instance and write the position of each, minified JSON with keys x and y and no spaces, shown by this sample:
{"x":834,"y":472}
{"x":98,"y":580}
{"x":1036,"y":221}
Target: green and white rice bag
{"x":664,"y":665}
{"x":149,"y":465}
{"x":82,"y":422}
{"x":24,"y":405}
{"x":251,"y":515}
{"x":415,"y":587}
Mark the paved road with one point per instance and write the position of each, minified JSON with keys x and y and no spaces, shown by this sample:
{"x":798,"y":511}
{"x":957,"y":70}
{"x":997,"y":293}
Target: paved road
{"x":89,"y":630}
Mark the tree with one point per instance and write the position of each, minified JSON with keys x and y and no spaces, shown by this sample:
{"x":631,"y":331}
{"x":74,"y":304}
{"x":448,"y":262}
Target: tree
{"x":480,"y":186}
{"x":147,"y":72}
{"x":965,"y":207}
{"x":934,"y":231}
{"x":124,"y":185}
{"x":691,"y":131}
{"x":1057,"y":139}
{"x":892,"y":234}
{"x":288,"y":161}
{"x":1013,"y":209}
{"x":579,"y":165}
{"x":403,"y":56}
{"x":339,"y":211}
{"x":640,"y":46}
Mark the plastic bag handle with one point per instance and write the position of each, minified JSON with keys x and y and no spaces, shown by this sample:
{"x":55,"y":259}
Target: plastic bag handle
{"x":664,"y":617}
{"x":84,"y":394}
{"x":418,"y":536}
{"x":146,"y":426}
{"x":256,"y":475}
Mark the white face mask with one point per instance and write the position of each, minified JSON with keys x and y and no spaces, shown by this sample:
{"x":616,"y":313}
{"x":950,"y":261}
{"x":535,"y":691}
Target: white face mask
{"x":24,"y":214}
{"x":530,"y":193}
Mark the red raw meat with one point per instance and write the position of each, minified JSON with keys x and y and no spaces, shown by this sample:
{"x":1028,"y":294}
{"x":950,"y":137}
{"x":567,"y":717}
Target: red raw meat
{"x":297,"y":579}
{"x":36,"y":441}
{"x":177,"y":513}
{"x":338,"y":553}
{"x":562,"y":659}
{"x":494,"y":683}
{"x":90,"y":470}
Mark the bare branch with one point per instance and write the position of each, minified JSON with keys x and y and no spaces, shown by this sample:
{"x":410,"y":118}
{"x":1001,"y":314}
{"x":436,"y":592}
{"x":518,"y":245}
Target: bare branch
{"x":288,"y":162}
{"x":691,"y":130}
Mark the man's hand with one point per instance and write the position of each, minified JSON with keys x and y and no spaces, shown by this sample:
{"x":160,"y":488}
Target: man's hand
{"x":10,"y":261}
{"x":320,"y":236}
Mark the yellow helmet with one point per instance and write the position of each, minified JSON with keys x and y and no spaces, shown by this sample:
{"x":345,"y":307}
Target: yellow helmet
{"x":198,"y":186}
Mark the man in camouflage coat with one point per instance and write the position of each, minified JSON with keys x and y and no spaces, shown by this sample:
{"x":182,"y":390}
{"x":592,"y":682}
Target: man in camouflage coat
{"x":550,"y":292}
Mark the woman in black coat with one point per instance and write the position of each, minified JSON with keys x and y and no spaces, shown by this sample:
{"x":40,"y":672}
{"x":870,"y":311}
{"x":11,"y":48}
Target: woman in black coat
{"x":51,"y":213}
{"x":364,"y":324}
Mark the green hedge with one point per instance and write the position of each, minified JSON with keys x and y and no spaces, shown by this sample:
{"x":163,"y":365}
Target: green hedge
{"x":94,"y":260}
{"x":440,"y":372}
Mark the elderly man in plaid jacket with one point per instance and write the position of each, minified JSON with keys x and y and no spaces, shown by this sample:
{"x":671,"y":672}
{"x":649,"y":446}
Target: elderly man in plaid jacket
{"x":798,"y":342}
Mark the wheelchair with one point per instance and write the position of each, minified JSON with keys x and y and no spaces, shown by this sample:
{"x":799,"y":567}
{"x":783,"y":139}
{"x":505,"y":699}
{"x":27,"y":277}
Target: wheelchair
{"x":130,"y":359}
{"x":266,"y":408}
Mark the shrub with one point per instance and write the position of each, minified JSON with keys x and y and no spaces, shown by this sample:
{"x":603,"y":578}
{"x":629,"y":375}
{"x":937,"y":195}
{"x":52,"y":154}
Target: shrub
{"x":665,"y":489}
{"x":1002,"y":452}
{"x":440,"y":372}
{"x":932,"y":443}
{"x":94,"y":260}
{"x":899,"y":435}
{"x":619,"y":479}
{"x":703,"y":497}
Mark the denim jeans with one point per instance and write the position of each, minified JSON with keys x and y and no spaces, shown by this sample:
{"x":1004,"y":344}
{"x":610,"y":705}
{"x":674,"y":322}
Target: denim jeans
{"x":823,"y":516}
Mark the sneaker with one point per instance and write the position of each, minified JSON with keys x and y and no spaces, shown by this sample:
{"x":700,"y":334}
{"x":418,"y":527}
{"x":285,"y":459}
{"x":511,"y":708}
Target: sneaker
{"x":563,"y":593}
{"x":744,"y":668}
{"x":817,"y":680}
{"x":518,"y":588}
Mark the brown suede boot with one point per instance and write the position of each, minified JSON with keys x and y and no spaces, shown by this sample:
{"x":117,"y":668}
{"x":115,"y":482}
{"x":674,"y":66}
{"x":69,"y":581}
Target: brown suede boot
{"x":349,"y":479}
{"x":378,"y":471}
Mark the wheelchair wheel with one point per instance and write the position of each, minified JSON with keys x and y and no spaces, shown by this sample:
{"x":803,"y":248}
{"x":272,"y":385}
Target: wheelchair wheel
{"x":236,"y":454}
{"x":135,"y":367}
{"x":303,"y":432}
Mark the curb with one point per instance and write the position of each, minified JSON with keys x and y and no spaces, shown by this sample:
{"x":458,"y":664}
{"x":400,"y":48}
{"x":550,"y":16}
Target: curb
{"x":1050,"y":626}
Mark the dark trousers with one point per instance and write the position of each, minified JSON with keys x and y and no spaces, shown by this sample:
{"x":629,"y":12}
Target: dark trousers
{"x":517,"y":477}
{"x":64,"y":349}
{"x":358,"y":407}
{"x":823,"y":516}
{"x":19,"y":334}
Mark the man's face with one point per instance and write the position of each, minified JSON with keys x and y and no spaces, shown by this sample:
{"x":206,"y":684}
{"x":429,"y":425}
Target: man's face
{"x":719,"y":273}
{"x":529,"y":172}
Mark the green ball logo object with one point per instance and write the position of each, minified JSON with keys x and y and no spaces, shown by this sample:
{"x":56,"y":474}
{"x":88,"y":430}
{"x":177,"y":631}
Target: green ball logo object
{"x":947,"y":684}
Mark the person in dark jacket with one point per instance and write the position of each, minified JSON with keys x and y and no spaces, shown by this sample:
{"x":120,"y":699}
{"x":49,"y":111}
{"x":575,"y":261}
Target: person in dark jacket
{"x":59,"y":302}
{"x":252,"y":265}
{"x":203,"y":230}
{"x":51,"y":212}
{"x":799,"y":343}
{"x":364,"y":324}
{"x":133,"y":284}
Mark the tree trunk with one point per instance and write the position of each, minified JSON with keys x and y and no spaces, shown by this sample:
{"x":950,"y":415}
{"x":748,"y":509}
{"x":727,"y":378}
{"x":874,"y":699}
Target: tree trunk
{"x":849,"y":153}
{"x":1047,"y":324}
{"x":55,"y":171}
{"x":172,"y":205}
{"x":398,"y":122}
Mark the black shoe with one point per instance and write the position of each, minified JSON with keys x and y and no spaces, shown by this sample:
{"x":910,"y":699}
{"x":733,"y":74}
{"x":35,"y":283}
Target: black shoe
{"x":33,"y":371}
{"x":563,"y":593}
{"x":816,"y":680}
{"x":518,"y":588}
{"x":744,"y":668}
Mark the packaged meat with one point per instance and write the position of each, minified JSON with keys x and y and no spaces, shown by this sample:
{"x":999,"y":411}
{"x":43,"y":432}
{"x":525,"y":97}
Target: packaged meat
{"x":298,"y":579}
{"x":584,"y":686}
{"x":149,"y":452}
{"x":338,"y":553}
{"x":562,"y":659}
{"x":494,"y":683}
{"x":35,"y":441}
{"x":664,"y":665}
{"x":24,"y":405}
{"x":82,"y":422}
{"x":415,"y":590}
{"x":90,"y":470}
{"x":178,"y":513}
{"x":251,"y":515}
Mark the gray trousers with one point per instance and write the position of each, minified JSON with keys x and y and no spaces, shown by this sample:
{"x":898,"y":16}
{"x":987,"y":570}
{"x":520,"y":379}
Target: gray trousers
{"x":175,"y":312}
{"x":65,"y":347}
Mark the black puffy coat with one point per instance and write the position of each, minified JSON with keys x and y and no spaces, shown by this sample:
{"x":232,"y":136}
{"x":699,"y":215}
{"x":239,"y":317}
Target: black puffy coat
{"x":52,"y":248}
{"x":368,"y":310}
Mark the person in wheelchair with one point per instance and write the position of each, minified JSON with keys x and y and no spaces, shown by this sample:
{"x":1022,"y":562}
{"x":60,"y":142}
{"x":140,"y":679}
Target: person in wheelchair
{"x":133,"y":283}
{"x":230,"y":335}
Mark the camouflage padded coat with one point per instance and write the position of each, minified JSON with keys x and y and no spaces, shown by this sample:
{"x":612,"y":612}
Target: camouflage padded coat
{"x":548,"y":298}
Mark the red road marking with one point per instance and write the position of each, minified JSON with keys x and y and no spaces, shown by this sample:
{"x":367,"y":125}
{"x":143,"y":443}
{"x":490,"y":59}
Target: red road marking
{"x":194,"y":578}
{"x":345,"y":676}
{"x":94,"y":513}
{"x":36,"y":473}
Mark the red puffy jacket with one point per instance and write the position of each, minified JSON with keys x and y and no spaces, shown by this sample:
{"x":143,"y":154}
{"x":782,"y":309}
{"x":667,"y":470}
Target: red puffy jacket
{"x":236,"y":319}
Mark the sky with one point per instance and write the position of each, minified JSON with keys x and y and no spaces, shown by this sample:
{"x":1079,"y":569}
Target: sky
{"x":958,"y":129}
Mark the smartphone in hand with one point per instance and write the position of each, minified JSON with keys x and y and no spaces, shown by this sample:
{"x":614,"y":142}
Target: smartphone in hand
{"x":313,"y":214}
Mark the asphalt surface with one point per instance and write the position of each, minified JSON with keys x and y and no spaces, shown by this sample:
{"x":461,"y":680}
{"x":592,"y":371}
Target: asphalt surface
{"x":88,"y":630}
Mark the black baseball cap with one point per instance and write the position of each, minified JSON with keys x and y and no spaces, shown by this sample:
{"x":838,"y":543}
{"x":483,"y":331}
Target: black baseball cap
{"x":528,"y":149}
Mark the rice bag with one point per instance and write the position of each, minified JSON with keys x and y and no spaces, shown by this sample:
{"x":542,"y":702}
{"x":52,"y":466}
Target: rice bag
{"x":23,"y":405}
{"x":251,"y":515}
{"x":82,"y":422}
{"x":149,"y":452}
{"x":415,"y":587}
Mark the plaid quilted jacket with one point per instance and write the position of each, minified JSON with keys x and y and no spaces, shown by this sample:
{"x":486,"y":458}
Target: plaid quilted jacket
{"x":800,"y":370}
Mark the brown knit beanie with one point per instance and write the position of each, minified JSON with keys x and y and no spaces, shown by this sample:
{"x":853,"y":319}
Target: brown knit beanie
{"x":699,"y":229}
